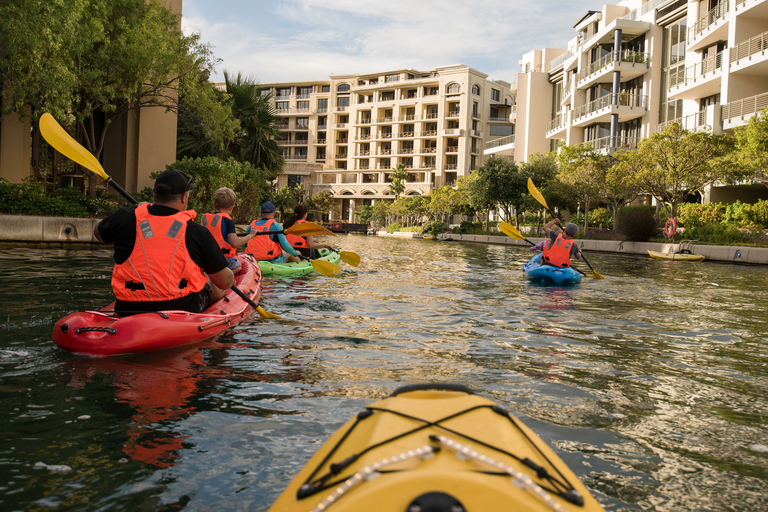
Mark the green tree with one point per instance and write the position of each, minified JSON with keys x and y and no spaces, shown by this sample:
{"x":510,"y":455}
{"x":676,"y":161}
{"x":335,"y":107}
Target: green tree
{"x":255,"y":143}
{"x":381,"y":212}
{"x":500,"y":184}
{"x":323,"y":203}
{"x":90,"y":63}
{"x":285,"y":200}
{"x":582,"y":169}
{"x":397,"y":178}
{"x":364,"y":214}
{"x":676,"y":162}
{"x":752,"y":147}
{"x":620,"y":184}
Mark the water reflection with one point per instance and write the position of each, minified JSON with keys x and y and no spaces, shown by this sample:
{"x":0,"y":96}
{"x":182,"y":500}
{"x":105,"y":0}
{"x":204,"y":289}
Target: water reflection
{"x":651,"y":384}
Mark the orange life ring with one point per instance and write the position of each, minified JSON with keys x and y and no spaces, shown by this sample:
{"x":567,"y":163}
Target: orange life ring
{"x":670,"y":228}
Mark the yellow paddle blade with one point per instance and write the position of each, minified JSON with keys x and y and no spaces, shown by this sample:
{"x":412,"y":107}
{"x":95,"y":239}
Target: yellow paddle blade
{"x":57,"y":137}
{"x":308,"y":229}
{"x":264,"y":314}
{"x":326,"y":267}
{"x":595,"y":275}
{"x":350,"y":258}
{"x":509,"y":230}
{"x":536,"y":194}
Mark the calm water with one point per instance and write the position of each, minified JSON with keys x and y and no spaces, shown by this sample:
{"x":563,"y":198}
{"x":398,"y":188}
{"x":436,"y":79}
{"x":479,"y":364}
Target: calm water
{"x":651,"y":384}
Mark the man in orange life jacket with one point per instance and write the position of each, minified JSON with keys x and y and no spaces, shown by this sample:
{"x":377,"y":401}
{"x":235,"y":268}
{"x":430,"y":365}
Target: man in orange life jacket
{"x":560,"y":247}
{"x":162,"y":255}
{"x":273,"y":248}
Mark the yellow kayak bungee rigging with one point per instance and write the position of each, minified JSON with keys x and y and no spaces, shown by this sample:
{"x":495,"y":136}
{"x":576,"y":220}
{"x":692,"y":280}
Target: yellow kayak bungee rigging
{"x":437,"y":448}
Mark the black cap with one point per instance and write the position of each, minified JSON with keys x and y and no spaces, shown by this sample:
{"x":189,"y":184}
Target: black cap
{"x":173,"y":182}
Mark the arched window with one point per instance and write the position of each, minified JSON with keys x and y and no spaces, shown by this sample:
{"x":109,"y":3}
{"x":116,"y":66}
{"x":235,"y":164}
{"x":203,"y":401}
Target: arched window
{"x":454,"y":88}
{"x":342,"y":88}
{"x":476,"y":90}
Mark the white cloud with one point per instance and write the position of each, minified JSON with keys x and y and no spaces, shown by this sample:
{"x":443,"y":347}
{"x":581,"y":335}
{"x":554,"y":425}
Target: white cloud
{"x":294,"y":40}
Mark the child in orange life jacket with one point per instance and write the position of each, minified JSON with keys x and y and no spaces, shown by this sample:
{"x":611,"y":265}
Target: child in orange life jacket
{"x":304,"y":244}
{"x":560,"y":247}
{"x":222,"y":227}
{"x":273,"y":248}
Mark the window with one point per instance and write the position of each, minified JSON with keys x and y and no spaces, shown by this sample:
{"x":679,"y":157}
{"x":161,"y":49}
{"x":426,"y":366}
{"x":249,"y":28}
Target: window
{"x":474,"y":110}
{"x":302,"y":122}
{"x":302,"y":105}
{"x":321,"y":154}
{"x":388,"y":96}
{"x":322,"y":122}
{"x":326,"y":88}
{"x":304,"y":92}
{"x":342,"y":88}
{"x":453,"y":89}
{"x":282,"y":92}
{"x":391,"y":78}
{"x":295,"y":181}
{"x":495,"y":95}
{"x":501,"y":130}
{"x":322,"y":105}
{"x":282,"y":105}
{"x":342,"y":101}
{"x":476,"y":90}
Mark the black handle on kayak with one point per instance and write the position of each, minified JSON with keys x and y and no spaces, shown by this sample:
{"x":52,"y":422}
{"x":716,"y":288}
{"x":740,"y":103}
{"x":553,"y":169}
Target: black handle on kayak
{"x":435,"y":386}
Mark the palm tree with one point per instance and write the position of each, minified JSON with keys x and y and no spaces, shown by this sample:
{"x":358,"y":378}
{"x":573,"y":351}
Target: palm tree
{"x":398,"y":177}
{"x":258,"y":121}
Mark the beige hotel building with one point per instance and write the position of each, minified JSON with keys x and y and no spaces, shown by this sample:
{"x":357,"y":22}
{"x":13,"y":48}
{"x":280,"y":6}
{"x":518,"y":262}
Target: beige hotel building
{"x":345,"y":134}
{"x":637,"y":66}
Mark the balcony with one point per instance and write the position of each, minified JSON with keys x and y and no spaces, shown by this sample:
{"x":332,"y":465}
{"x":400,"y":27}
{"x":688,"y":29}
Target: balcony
{"x":431,"y":115}
{"x":452,"y":114}
{"x":302,"y":96}
{"x":557,"y":126}
{"x":709,"y":28}
{"x":406,"y":135}
{"x":475,"y":133}
{"x":342,"y":140}
{"x":603,"y":144}
{"x":295,"y":157}
{"x":452,"y":149}
{"x":500,"y":145}
{"x":452,"y":132}
{"x":340,"y":125}
{"x":451,"y":167}
{"x":284,"y":111}
{"x":693,"y":123}
{"x":738,"y":113}
{"x":627,"y":106}
{"x":630,"y":64}
{"x":750,"y":56}
{"x":340,"y":108}
{"x":697,"y":81}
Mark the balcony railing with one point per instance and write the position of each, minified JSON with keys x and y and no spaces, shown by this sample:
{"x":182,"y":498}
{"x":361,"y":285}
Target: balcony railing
{"x":557,"y":122}
{"x":295,"y":157}
{"x":406,"y":135}
{"x":302,"y":96}
{"x":510,"y":139}
{"x":693,"y":122}
{"x":719,"y":12}
{"x":452,"y":149}
{"x":453,"y":113}
{"x":694,"y":73}
{"x":559,"y":60}
{"x":625,"y":56}
{"x":744,"y":107}
{"x":757,"y":44}
{"x":622,"y":142}
{"x":340,"y":108}
{"x":622,"y":99}
{"x":451,"y":167}
{"x":431,"y":115}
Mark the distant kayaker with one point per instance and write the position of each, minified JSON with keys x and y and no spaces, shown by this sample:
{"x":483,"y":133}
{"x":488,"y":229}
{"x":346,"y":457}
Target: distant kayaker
{"x":304,"y":244}
{"x":273,"y":248}
{"x":162,"y":255}
{"x":222,"y":227}
{"x":560,"y":247}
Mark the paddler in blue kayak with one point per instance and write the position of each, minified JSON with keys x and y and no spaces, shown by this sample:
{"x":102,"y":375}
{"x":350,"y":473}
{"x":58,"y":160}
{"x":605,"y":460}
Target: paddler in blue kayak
{"x":273,"y":248}
{"x":560,"y":247}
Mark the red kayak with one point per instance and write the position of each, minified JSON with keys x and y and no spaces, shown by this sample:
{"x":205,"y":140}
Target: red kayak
{"x":102,"y":333}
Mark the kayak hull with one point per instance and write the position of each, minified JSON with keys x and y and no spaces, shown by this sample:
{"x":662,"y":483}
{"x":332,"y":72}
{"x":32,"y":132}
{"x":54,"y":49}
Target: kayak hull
{"x":297,"y":268}
{"x":674,"y":256}
{"x":548,"y":274}
{"x":394,"y":440}
{"x":102,"y":333}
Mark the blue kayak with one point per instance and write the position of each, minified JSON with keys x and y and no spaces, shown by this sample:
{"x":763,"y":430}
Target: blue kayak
{"x":550,"y":274}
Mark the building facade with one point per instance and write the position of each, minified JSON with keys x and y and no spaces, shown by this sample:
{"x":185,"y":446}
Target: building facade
{"x":635,"y":67}
{"x":346,"y":134}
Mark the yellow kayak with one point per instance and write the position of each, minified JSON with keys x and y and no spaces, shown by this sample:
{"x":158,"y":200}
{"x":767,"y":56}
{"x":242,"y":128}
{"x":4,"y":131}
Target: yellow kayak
{"x":435,"y":448}
{"x":675,"y":256}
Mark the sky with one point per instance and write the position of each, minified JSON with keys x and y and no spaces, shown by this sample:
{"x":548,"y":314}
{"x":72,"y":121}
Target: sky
{"x":306,"y":40}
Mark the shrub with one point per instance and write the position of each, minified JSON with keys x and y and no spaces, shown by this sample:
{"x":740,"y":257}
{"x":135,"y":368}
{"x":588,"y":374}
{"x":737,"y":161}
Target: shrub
{"x":638,"y":224}
{"x":577,"y":218}
{"x":29,"y":198}
{"x":600,"y":217}
{"x":716,"y":232}
{"x":745,"y":215}
{"x":695,"y":214}
{"x":395,"y":226}
{"x":435,"y":227}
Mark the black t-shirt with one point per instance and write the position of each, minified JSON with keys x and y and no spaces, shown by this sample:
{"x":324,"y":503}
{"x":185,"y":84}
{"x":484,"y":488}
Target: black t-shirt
{"x":119,"y":229}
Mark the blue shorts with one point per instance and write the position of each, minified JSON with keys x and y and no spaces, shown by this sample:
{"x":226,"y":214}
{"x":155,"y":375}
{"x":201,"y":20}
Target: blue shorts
{"x":279,"y":259}
{"x":232,"y":263}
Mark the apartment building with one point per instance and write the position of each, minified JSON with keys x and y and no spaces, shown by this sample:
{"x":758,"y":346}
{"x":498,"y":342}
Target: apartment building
{"x":345,"y":134}
{"x":637,"y":66}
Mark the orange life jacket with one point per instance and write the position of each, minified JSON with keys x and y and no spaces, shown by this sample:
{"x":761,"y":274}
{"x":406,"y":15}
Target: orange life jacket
{"x":296,"y":241}
{"x":559,"y":253}
{"x":262,"y":247}
{"x":212,"y":221}
{"x":159,"y":267}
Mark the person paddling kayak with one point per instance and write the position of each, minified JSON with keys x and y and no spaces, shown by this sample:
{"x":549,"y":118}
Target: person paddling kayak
{"x":162,"y":255}
{"x":273,"y":248}
{"x":303,"y":244}
{"x":560,"y":247}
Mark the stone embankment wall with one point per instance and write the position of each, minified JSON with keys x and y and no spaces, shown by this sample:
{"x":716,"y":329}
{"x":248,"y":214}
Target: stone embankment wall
{"x":723,"y":253}
{"x":46,"y":230}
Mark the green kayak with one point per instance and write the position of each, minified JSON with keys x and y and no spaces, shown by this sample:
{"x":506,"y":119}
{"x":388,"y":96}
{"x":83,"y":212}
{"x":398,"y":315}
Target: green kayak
{"x":297,"y":269}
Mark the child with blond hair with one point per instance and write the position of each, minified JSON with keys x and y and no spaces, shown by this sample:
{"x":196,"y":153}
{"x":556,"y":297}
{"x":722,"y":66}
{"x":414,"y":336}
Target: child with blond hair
{"x":222,"y":227}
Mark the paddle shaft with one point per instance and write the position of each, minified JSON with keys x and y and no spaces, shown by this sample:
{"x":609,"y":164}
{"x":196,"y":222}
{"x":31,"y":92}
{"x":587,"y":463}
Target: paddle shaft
{"x":121,"y":190}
